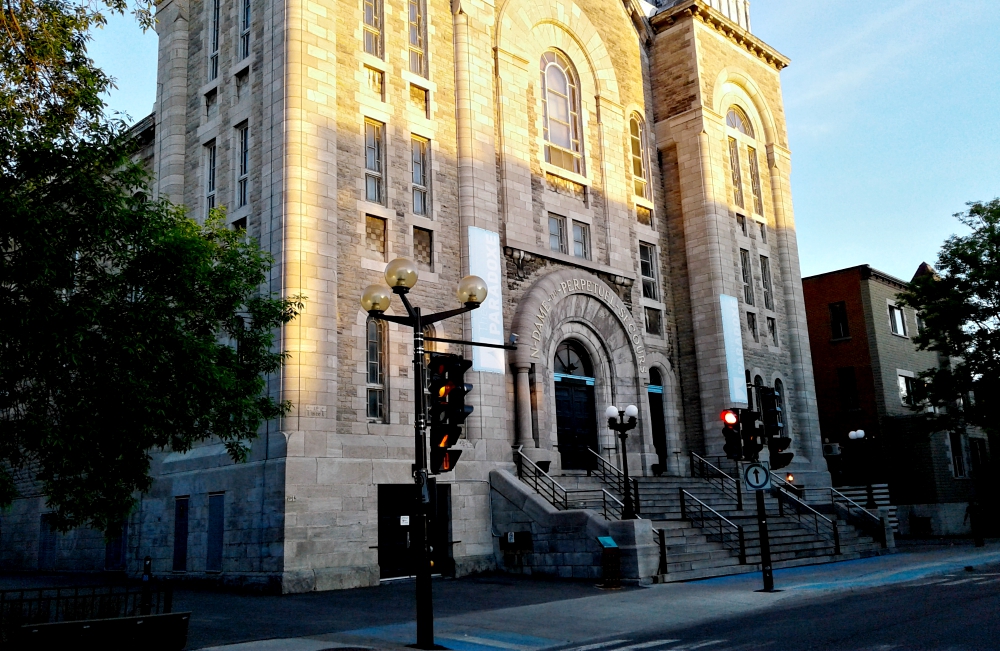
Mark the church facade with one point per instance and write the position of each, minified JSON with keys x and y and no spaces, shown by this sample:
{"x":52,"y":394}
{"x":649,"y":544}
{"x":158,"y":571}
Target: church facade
{"x":617,"y":171}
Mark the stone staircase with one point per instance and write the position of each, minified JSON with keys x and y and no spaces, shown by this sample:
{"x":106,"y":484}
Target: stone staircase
{"x":693,"y":552}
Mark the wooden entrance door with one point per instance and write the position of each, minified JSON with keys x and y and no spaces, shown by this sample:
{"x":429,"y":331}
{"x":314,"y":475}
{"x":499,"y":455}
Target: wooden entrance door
{"x":576,"y":424}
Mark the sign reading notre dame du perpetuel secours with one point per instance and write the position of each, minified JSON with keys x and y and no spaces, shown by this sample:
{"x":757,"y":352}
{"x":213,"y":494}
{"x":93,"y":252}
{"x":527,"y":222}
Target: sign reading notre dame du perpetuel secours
{"x":487,"y":321}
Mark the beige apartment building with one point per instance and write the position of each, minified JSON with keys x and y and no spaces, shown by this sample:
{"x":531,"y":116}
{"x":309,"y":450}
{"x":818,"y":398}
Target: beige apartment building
{"x":617,"y":171}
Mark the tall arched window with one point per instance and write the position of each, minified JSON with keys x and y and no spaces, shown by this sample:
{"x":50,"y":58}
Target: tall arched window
{"x":561,"y":113}
{"x":741,"y":137}
{"x":375,"y":371}
{"x":640,"y":169}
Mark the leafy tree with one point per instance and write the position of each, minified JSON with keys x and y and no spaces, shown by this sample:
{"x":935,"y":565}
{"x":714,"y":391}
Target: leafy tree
{"x":125,"y":326}
{"x":960,"y":307}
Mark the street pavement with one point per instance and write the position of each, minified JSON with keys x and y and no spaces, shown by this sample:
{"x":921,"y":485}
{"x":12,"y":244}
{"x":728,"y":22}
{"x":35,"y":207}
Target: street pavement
{"x":937,"y":598}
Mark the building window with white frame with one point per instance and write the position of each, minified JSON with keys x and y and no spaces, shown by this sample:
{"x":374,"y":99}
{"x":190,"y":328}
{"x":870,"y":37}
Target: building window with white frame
{"x":245,"y":31}
{"x":417,"y":37}
{"x":765,"y":276}
{"x":561,"y":113}
{"x":908,"y":388}
{"x":640,"y":170}
{"x":747,"y":275}
{"x":897,"y":320}
{"x":581,"y":240}
{"x":213,"y":41}
{"x":740,"y":133}
{"x":373,"y":27}
{"x":374,"y":152}
{"x":557,"y":233}
{"x":421,"y":192}
{"x":647,"y":269}
{"x":210,"y":160}
{"x":243,"y":166}
{"x":375,"y":369}
{"x":955,"y":442}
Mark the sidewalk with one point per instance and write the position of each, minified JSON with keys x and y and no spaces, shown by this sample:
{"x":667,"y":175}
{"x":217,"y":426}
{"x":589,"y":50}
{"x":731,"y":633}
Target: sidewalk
{"x":584,"y":617}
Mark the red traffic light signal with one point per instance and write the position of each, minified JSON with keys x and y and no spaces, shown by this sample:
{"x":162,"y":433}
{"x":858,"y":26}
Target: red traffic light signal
{"x":730,"y":417}
{"x":731,"y":433}
{"x":448,"y":410}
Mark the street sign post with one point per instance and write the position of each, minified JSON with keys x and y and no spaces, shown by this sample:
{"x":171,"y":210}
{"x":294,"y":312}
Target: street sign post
{"x":757,"y":478}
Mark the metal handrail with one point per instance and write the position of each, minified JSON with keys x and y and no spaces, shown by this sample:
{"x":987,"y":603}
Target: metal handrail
{"x":711,"y":472}
{"x":562,"y":498}
{"x":874,"y":522}
{"x":724,"y":537}
{"x":607,"y":470}
{"x":802,"y":509}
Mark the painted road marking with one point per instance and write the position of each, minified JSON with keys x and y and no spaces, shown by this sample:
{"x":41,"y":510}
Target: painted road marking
{"x":459,"y":638}
{"x":599,"y":645}
{"x":698,"y":645}
{"x":645,"y":645}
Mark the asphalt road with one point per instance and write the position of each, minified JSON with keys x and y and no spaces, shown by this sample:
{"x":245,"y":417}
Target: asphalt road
{"x":957,"y":612}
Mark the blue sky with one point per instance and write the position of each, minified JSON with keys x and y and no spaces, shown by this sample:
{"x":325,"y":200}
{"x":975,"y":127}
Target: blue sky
{"x":891,"y":111}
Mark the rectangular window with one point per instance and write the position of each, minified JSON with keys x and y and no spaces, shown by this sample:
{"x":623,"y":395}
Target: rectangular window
{"x":654,"y":325}
{"x":211,"y":104}
{"x":752,"y":326}
{"x":747,"y":276}
{"x":758,"y":200}
{"x":897,"y":320}
{"x":374,"y":181}
{"x":647,"y":268}
{"x":216,"y":532}
{"x":213,"y":55}
{"x":245,"y":31}
{"x":838,"y":321}
{"x":423,"y":249}
{"x":734,"y":162}
{"x":847,"y":383}
{"x":375,"y":235}
{"x":376,"y":369}
{"x":920,"y":323}
{"x":418,"y":51}
{"x":243,"y":180}
{"x":772,"y":330}
{"x":907,"y":390}
{"x":376,"y":82}
{"x":644,"y":215}
{"x":765,"y":276}
{"x":421,"y":192}
{"x":116,"y":550}
{"x":557,"y":233}
{"x":421,"y":99}
{"x":373,"y":27}
{"x":763,"y":232}
{"x":581,"y":240}
{"x":180,"y":534}
{"x":210,"y":160}
{"x":741,"y":223}
{"x":957,"y":455}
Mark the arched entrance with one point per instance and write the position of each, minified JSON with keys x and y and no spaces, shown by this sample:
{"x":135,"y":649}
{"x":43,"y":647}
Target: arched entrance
{"x":576,"y":421}
{"x":657,"y":420}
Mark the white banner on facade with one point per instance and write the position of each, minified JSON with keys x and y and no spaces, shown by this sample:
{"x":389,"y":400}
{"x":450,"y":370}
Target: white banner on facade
{"x":733,"y":338}
{"x":487,"y":321}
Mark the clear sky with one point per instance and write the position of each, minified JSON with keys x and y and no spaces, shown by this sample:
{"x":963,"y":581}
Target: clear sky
{"x":892,"y":118}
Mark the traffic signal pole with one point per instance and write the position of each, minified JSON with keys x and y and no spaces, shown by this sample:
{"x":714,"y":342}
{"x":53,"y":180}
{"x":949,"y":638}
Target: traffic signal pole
{"x":765,"y":544}
{"x":425,"y":595}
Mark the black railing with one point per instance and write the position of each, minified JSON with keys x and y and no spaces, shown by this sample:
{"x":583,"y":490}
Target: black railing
{"x":612,"y":476}
{"x":564,"y":499}
{"x":661,"y":539}
{"x":701,"y":467}
{"x":715,"y":525}
{"x":808,"y":516}
{"x":860,"y":516}
{"x":50,"y":605}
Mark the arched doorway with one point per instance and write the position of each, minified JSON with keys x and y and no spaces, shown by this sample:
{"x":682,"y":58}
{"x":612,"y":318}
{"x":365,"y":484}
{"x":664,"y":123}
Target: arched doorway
{"x":656,"y":416}
{"x":576,"y":423}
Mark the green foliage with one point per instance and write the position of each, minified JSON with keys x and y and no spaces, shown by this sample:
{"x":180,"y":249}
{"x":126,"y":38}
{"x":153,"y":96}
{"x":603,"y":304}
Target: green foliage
{"x":126,"y":327}
{"x":960,"y":306}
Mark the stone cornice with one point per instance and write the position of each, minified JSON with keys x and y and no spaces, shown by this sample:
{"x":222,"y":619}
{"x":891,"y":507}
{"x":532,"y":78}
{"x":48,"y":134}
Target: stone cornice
{"x":710,"y":17}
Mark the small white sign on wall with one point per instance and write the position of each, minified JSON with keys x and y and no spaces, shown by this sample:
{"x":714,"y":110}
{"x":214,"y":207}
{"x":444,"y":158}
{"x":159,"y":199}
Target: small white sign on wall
{"x":404,"y":520}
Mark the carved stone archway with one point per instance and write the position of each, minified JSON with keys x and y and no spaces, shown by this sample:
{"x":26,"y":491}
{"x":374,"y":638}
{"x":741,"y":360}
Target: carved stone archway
{"x":574,"y":304}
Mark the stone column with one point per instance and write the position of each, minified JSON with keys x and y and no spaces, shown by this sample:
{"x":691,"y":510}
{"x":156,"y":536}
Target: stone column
{"x":522,"y":388}
{"x":171,"y":99}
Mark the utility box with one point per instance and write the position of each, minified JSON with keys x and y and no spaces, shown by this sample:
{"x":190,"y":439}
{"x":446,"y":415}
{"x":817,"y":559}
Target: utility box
{"x":611,"y":562}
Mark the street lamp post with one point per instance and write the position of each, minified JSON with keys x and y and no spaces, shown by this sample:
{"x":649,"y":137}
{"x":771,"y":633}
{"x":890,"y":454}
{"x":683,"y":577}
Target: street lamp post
{"x":622,"y":422}
{"x":401,"y":276}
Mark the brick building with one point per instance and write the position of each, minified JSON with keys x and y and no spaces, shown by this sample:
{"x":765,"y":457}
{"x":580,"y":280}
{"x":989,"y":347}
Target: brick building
{"x":621,"y":171}
{"x":866,"y":368}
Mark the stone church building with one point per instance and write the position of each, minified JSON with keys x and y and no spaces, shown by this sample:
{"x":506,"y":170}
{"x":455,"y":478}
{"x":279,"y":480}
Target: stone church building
{"x":617,"y":171}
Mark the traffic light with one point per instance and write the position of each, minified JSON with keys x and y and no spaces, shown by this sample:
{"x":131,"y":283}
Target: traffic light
{"x":448,"y":410}
{"x":752,"y":444}
{"x":774,"y":429}
{"x":731,"y":431}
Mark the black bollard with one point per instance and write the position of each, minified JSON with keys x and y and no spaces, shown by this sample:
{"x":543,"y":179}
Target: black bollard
{"x":146,"y":605}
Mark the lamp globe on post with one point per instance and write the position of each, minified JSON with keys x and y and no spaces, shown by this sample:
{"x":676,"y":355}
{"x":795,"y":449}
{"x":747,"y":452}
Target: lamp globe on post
{"x":375,"y":298}
{"x":631,"y":412}
{"x":472,"y":291}
{"x":611,"y":413}
{"x":401,"y":275}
